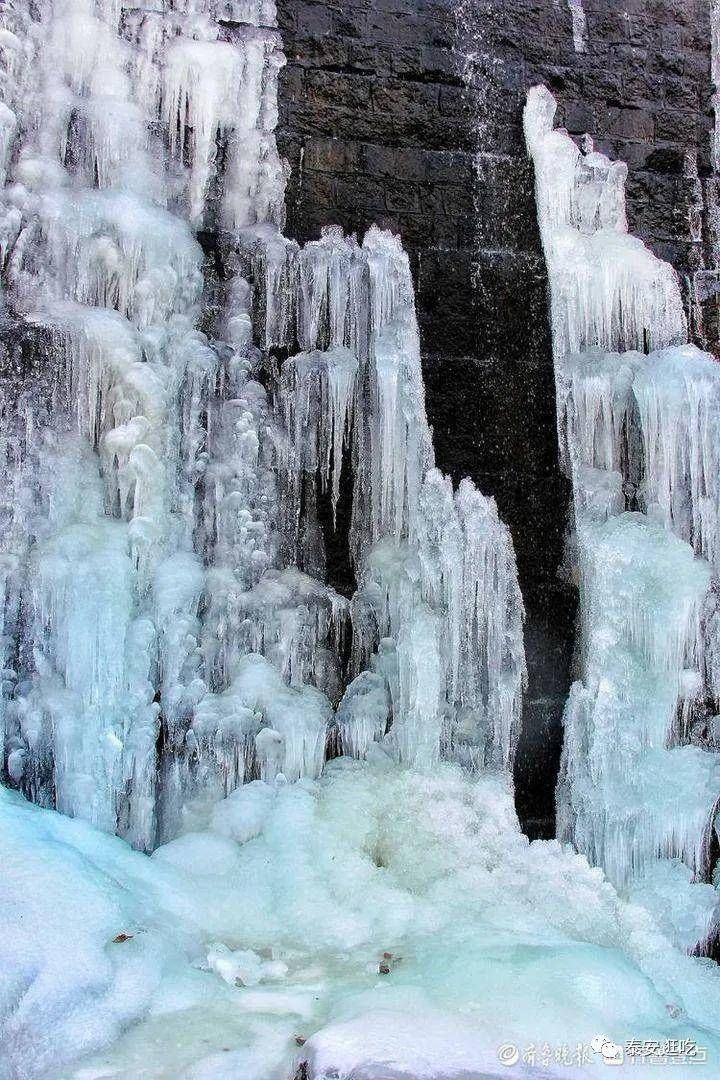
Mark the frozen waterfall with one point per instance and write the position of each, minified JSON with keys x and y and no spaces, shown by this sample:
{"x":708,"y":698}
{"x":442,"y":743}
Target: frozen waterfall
{"x":639,"y":429}
{"x":169,"y":633}
{"x":254,"y":822}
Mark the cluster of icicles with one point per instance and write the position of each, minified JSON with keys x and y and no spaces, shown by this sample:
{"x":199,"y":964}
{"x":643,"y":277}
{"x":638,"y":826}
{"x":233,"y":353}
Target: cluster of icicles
{"x":639,"y":428}
{"x":168,"y":631}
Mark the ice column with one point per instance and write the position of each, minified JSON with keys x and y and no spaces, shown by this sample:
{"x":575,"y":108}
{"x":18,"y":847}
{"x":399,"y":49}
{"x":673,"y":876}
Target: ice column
{"x":448,"y":610}
{"x":223,"y":92}
{"x":437,"y":578}
{"x":638,"y":421}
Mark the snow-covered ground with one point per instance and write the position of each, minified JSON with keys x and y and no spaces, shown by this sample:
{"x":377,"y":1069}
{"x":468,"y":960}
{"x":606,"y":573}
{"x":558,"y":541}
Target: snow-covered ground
{"x":395,"y":919}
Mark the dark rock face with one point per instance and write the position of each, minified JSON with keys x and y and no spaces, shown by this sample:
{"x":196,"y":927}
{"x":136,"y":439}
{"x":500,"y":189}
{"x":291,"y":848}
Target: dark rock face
{"x":408,"y":113}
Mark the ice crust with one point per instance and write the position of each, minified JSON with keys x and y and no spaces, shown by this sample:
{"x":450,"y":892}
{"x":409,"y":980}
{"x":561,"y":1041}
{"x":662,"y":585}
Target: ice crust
{"x":638,"y":414}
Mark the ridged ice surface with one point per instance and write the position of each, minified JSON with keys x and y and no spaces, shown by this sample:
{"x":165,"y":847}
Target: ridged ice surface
{"x":638,"y":421}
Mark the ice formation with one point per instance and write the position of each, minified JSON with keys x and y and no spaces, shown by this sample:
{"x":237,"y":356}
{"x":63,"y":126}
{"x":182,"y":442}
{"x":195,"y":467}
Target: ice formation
{"x":169,"y":631}
{"x":608,"y":289}
{"x":579,"y":25}
{"x":639,"y":424}
{"x":459,"y":668}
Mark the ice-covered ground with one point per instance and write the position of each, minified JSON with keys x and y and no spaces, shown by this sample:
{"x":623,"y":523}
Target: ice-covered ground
{"x":274,"y":920}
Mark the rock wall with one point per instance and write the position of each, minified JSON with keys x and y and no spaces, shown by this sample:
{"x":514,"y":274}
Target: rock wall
{"x":408,"y":113}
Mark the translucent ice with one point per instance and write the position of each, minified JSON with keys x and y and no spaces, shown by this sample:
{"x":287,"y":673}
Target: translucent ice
{"x":316,"y":400}
{"x":175,"y":666}
{"x":450,"y":600}
{"x":226,"y":90}
{"x":629,"y":794}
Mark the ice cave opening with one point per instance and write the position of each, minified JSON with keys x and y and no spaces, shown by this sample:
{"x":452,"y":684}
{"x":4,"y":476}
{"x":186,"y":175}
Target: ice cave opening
{"x":255,"y":823}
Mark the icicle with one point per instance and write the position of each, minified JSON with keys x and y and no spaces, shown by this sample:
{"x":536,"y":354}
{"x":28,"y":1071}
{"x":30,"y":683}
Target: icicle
{"x":451,"y":597}
{"x":678,"y":397}
{"x":363,"y":713}
{"x":220,"y":89}
{"x":624,"y":799}
{"x":161,"y":485}
{"x":595,"y":399}
{"x":315,"y":402}
{"x":287,"y":617}
{"x":289,"y":725}
{"x":8,"y":128}
{"x":323,"y":289}
{"x":418,"y":717}
{"x":79,"y":588}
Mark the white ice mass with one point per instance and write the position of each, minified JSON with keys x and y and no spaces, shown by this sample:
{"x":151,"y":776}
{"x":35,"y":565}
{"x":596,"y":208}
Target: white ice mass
{"x":274,"y":825}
